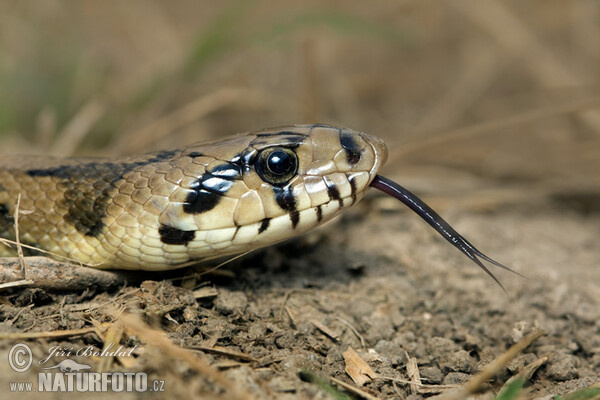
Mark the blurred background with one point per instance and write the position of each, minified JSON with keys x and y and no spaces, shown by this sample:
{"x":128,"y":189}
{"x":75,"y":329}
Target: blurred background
{"x":497,"y":99}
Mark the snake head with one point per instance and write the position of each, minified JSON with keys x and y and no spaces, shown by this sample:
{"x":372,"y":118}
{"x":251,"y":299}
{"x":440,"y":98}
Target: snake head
{"x":263,"y":187}
{"x":308,"y":174}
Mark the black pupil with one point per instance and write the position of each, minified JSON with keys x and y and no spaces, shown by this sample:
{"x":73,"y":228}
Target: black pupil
{"x":279,"y":162}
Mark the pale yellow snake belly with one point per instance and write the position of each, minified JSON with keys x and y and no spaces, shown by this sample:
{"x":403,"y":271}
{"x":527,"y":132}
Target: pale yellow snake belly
{"x":164,"y":210}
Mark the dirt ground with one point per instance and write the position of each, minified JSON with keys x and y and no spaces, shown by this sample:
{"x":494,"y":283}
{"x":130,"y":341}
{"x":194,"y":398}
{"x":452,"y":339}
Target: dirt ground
{"x":491,"y":113}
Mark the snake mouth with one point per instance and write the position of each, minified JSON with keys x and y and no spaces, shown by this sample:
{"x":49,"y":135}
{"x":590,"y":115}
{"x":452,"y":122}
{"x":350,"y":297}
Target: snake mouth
{"x":438,"y":223}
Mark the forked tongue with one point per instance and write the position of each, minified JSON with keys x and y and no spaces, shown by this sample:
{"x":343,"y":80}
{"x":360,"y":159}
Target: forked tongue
{"x":437,"y":223}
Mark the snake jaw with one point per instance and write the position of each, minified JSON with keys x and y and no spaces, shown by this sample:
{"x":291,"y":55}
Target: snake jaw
{"x":439,"y":224}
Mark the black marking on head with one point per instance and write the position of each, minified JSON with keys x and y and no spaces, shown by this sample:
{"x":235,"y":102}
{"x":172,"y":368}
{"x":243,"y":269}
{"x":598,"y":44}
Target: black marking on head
{"x":351,"y":146}
{"x":333,"y":192}
{"x":295,"y":218}
{"x":285,"y":198}
{"x":352,"y":189}
{"x":200,"y":201}
{"x":212,"y":185}
{"x":247,"y":157}
{"x":170,"y":235}
{"x":319,"y":213}
{"x":264,"y":225}
{"x":195,"y":154}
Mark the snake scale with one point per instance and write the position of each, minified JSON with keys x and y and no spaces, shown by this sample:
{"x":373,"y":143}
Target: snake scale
{"x":166,"y":209}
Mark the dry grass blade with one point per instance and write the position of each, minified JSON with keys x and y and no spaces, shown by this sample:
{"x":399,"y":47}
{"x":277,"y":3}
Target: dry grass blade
{"x":412,"y":370}
{"x":480,"y":65}
{"x":195,"y":110}
{"x":111,"y":342}
{"x":516,"y":37}
{"x":524,"y":374}
{"x":47,"y":335}
{"x":323,"y":328}
{"x":356,"y":391}
{"x":401,"y":151}
{"x":493,"y":368}
{"x":69,"y":139}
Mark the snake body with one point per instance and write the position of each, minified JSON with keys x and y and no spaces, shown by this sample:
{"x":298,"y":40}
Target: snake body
{"x":164,"y":210}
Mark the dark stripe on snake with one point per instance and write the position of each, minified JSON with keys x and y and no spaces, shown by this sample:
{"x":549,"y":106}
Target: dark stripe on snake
{"x":333,"y":192}
{"x":200,"y":201}
{"x":295,"y":218}
{"x":88,"y":189}
{"x":83,"y":170}
{"x":285,"y":198}
{"x":264,"y":225}
{"x":352,"y":189}
{"x":170,"y":235}
{"x":319,"y":213}
{"x":209,"y":189}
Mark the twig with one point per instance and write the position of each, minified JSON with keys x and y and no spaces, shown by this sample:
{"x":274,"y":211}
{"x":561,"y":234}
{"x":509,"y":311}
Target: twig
{"x":17,"y":240}
{"x":223,"y":352}
{"x":328,"y":332}
{"x":362,"y":340}
{"x":13,"y":284}
{"x":424,"y":387}
{"x":46,"y":273}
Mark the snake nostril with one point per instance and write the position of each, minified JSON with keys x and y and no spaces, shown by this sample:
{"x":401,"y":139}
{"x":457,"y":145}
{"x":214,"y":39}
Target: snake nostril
{"x":353,"y":158}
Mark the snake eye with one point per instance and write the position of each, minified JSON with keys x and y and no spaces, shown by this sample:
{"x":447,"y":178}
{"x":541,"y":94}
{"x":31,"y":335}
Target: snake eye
{"x":277,"y":165}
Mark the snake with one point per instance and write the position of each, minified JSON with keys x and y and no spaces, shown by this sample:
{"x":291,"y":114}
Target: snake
{"x":167,"y":209}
